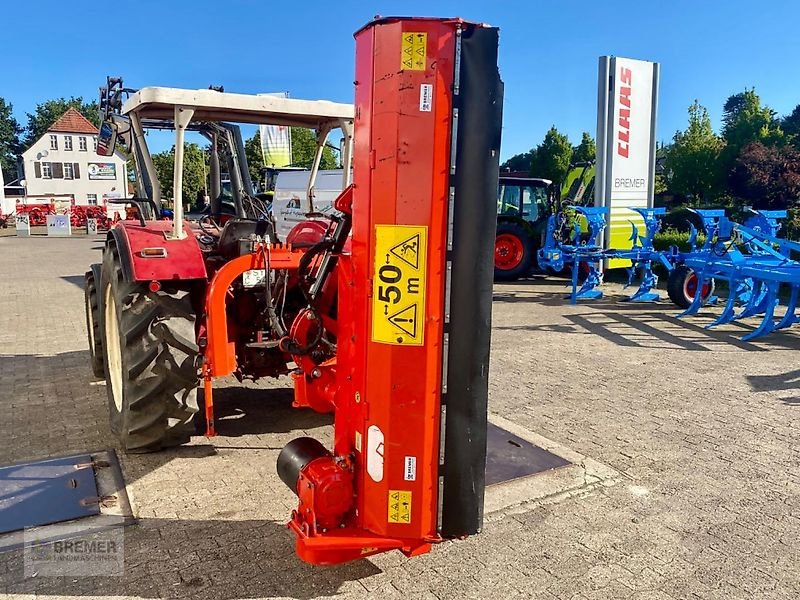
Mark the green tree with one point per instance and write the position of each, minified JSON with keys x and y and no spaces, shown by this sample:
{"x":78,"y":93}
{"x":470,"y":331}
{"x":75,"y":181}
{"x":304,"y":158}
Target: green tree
{"x":304,"y":144}
{"x":692,"y":161}
{"x":586,"y":150}
{"x":48,"y":112}
{"x":9,"y":141}
{"x":518,"y":162}
{"x":254,"y":156}
{"x":194,"y":171}
{"x":551,"y":158}
{"x":746,"y":121}
{"x":791,"y":126}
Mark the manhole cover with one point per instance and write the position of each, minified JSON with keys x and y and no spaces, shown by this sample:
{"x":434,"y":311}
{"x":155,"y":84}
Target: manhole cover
{"x":508,"y":457}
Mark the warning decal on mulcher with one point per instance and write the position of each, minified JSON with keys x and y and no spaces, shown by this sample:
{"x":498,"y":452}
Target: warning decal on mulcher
{"x":413,"y":51}
{"x":399,"y":506}
{"x":398,"y":285}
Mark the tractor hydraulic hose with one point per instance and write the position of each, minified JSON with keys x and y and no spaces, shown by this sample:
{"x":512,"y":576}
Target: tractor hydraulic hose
{"x":276,"y":323}
{"x":338,"y":240}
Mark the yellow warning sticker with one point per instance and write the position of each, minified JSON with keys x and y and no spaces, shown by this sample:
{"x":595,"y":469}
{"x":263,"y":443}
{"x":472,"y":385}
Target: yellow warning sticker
{"x":398,"y":284}
{"x":399,"y":506}
{"x":413,"y":51}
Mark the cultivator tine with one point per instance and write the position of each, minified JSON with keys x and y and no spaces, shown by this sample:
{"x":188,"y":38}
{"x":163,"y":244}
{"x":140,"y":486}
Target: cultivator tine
{"x":631,"y":271}
{"x":728,"y":313}
{"x":757,"y":303}
{"x":649,"y":281}
{"x":770,"y":303}
{"x":790,"y":317}
{"x":697,"y":301}
{"x":589,"y":289}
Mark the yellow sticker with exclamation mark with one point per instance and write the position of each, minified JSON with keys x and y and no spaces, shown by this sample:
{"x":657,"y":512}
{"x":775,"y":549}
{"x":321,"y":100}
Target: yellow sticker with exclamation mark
{"x":413,"y":51}
{"x":399,"y":506}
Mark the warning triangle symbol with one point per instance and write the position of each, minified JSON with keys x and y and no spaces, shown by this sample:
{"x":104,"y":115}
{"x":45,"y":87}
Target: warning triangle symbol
{"x":406,"y":320}
{"x":408,"y":251}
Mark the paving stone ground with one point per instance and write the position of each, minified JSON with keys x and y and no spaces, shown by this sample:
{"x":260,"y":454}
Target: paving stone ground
{"x":702,"y":427}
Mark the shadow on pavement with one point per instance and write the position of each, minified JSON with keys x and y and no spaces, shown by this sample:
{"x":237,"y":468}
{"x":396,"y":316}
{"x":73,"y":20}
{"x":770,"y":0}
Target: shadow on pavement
{"x":222,"y":559}
{"x":245,"y":410}
{"x":76,"y":280}
{"x":633,"y":324}
{"x":789,"y":381}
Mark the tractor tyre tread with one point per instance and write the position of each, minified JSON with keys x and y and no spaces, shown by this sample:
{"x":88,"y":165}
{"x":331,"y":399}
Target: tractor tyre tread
{"x":93,"y":331}
{"x":159,"y":357}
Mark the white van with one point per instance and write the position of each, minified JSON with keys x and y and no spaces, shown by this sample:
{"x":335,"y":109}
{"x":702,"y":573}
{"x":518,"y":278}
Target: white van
{"x":289,"y":204}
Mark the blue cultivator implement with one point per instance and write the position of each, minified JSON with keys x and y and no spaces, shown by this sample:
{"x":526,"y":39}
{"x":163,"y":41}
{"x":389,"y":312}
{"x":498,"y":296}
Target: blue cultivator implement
{"x":755,"y":262}
{"x":751,"y":258}
{"x":567,"y":245}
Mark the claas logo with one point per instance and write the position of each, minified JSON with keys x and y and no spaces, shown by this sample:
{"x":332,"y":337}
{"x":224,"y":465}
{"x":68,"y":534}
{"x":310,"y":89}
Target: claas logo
{"x":624,"y":135}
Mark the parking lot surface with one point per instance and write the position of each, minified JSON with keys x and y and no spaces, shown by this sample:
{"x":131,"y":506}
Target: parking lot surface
{"x":701,"y":426}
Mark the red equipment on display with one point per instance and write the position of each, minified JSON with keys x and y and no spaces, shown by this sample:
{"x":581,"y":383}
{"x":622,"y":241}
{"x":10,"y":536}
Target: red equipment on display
{"x":381,"y":314}
{"x":407,"y":467}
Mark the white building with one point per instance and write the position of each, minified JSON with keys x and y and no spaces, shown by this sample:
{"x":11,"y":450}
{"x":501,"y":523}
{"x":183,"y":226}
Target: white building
{"x":63,"y":163}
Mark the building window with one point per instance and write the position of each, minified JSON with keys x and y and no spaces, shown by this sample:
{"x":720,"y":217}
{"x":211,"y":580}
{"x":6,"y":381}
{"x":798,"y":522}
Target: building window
{"x":47,"y":171}
{"x":67,"y":170}
{"x":53,"y":142}
{"x":68,"y":142}
{"x":82,"y":144}
{"x":94,"y":139}
{"x":91,"y":199}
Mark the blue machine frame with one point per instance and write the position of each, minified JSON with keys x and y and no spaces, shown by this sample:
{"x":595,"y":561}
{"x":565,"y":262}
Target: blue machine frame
{"x":751,"y":257}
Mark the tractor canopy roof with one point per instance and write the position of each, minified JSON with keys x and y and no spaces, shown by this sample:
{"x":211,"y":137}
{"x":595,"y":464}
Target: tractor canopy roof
{"x":532,"y":181}
{"x":214,"y":106}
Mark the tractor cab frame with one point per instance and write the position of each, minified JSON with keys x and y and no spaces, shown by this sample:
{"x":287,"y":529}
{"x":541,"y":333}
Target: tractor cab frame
{"x":129,"y":113}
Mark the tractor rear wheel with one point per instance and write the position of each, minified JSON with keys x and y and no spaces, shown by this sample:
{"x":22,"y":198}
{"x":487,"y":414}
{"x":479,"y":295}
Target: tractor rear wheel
{"x":682,"y":286}
{"x":91,"y":281}
{"x":151,"y":360}
{"x":513,"y":252}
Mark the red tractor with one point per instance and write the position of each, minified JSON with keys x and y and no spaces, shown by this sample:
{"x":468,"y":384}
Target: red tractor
{"x":379,"y":312}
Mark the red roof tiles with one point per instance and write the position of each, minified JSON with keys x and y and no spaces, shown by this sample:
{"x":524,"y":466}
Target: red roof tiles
{"x":73,"y":122}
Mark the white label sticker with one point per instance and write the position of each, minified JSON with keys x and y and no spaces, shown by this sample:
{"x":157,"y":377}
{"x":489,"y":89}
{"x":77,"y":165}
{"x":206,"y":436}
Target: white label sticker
{"x":375,"y":453}
{"x":411,"y":468}
{"x":426,"y":97}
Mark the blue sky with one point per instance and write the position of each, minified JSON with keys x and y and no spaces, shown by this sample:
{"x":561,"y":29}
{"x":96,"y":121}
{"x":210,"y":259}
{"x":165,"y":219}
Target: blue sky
{"x":548,"y":51}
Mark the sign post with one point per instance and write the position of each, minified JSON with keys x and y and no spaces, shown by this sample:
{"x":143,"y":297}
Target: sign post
{"x":59,"y":226}
{"x":627,"y":103}
{"x":22,"y":222}
{"x":91,"y":226}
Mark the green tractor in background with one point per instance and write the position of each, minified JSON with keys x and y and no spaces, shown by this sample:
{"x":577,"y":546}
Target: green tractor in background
{"x":523,"y":206}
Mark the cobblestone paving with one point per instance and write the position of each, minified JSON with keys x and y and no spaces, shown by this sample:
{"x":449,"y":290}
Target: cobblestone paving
{"x":702,"y":427}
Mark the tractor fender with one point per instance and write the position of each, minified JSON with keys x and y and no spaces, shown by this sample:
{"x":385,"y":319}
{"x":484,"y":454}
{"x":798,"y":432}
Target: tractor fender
{"x":183,"y":258}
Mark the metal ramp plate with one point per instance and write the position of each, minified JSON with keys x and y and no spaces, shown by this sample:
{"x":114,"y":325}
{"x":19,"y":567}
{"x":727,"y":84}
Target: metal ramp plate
{"x":47,"y":491}
{"x":509,"y":457}
{"x":86,"y":489}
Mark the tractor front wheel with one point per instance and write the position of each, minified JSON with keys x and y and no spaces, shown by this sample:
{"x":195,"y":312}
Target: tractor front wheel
{"x":513,"y":252}
{"x":682,"y":286}
{"x":91,"y":282}
{"x":151,"y":360}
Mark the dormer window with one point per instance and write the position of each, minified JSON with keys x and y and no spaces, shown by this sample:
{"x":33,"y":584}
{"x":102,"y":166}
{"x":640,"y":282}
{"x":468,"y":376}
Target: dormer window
{"x":53,"y":142}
